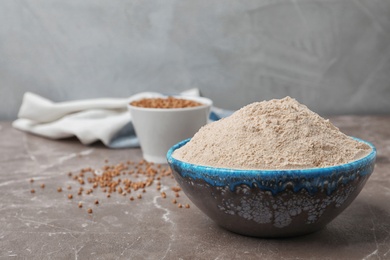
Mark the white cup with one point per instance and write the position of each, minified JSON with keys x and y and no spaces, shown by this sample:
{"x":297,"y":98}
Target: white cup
{"x":158,"y":129}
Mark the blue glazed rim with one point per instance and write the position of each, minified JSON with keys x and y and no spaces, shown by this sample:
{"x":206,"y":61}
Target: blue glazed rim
{"x":276,"y":180}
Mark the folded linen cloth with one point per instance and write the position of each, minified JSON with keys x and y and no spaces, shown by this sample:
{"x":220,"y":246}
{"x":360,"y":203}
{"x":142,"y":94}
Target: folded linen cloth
{"x":104,"y":119}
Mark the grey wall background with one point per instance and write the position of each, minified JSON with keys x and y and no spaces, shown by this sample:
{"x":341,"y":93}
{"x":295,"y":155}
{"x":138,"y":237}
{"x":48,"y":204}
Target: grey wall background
{"x":334,"y":56}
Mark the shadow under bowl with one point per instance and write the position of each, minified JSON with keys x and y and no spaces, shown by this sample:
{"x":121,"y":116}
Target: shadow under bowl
{"x":272,"y":203}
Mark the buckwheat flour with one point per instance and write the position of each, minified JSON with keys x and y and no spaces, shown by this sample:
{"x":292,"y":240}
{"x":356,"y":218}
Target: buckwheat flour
{"x":275,"y":134}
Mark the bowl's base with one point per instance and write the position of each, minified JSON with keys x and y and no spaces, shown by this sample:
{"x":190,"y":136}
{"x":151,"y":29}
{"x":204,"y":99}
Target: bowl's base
{"x":251,"y":211}
{"x":274,"y":234}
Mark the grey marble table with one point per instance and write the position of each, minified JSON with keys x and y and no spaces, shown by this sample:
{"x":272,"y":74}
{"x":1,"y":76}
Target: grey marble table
{"x":48,"y":225}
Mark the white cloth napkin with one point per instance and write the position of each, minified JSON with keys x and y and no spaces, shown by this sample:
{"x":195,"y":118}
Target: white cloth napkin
{"x":105,"y":119}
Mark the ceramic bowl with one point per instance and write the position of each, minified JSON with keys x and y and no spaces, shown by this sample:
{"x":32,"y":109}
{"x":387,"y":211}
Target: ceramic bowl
{"x":272,"y":203}
{"x":159,"y":128}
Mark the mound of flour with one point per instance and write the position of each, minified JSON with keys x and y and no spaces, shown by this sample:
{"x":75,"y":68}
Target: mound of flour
{"x":275,"y":134}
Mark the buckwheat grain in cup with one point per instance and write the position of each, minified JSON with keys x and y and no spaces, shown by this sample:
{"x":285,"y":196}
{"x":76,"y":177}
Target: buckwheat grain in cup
{"x":169,"y":102}
{"x":275,"y":134}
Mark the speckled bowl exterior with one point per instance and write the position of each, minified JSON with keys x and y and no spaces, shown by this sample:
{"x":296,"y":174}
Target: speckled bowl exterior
{"x":272,"y":203}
